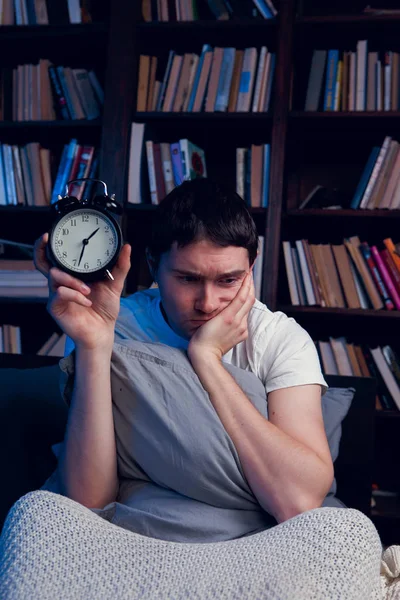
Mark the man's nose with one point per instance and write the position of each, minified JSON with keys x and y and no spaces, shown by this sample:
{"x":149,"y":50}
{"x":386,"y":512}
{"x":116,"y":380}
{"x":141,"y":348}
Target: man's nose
{"x":207,"y":300}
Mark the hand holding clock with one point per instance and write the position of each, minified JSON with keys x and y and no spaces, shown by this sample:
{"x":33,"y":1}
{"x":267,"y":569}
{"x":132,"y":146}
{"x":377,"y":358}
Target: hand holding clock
{"x":86,"y":314}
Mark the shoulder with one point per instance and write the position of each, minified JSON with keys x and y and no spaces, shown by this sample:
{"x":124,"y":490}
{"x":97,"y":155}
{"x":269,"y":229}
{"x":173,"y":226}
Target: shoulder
{"x":272,"y":325}
{"x":284,"y":353}
{"x":134,"y":313}
{"x":139,"y":300}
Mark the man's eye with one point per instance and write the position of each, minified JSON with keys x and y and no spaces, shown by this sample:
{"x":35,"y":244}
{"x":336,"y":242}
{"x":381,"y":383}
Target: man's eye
{"x":229,"y":280}
{"x":187,"y":278}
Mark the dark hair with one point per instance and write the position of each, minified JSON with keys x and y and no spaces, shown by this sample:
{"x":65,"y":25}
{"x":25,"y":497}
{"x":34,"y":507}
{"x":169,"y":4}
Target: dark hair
{"x":202,"y":209}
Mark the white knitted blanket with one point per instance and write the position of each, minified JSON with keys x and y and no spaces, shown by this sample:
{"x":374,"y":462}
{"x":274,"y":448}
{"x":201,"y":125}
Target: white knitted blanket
{"x":54,"y":548}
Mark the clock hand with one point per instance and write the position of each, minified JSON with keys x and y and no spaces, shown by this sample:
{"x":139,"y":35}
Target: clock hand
{"x":84,"y":244}
{"x":92,"y":234}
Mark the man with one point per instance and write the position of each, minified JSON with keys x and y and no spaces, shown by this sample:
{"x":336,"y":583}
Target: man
{"x":201,"y":255}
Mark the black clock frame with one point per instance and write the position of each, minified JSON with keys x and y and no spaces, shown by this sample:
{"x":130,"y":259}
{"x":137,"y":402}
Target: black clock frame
{"x":77,"y":205}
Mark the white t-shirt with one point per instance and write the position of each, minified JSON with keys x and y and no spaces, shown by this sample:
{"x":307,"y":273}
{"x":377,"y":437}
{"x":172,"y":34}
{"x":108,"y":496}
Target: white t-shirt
{"x":278,"y":350}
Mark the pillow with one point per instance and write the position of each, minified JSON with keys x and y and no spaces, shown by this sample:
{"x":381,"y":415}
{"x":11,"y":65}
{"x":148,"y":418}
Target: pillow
{"x":335,"y":406}
{"x":172,"y":376}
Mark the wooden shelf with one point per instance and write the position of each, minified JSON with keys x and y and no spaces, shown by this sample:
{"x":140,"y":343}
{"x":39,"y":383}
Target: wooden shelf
{"x":376,"y":514}
{"x":347,"y":19}
{"x":22,"y":300}
{"x":15,"y":32}
{"x":201,"y":116}
{"x":340,"y":114}
{"x":342,"y":313}
{"x":55,"y":124}
{"x":342,"y":213}
{"x":26,"y":209}
{"x":151,"y":207}
{"x":24,"y":361}
{"x":387,"y":414}
{"x":175,"y":27}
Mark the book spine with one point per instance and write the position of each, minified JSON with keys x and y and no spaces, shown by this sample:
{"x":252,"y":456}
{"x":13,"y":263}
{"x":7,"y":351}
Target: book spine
{"x":386,"y":277}
{"x":177,"y":163}
{"x":355,"y":203}
{"x":151,"y":172}
{"x":60,"y":102}
{"x":383,"y":392}
{"x":265,"y":183}
{"x":372,"y":180}
{"x":391,"y":268}
{"x":333,"y":59}
{"x":366,"y":252}
{"x":264,"y":9}
{"x":224,"y":84}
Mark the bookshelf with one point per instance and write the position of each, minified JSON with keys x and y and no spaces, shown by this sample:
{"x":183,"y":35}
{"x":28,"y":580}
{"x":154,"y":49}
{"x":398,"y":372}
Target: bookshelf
{"x":304,"y":146}
{"x":330,"y":148}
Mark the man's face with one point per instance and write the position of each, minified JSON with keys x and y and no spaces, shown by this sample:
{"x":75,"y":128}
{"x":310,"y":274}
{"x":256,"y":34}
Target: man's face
{"x":198,"y":281}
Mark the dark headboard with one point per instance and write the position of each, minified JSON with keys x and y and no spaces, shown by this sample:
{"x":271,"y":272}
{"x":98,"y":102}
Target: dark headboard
{"x":354,"y":465}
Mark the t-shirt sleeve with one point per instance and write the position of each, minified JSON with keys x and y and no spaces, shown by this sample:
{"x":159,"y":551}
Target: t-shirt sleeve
{"x":69,"y":346}
{"x":288,"y":357}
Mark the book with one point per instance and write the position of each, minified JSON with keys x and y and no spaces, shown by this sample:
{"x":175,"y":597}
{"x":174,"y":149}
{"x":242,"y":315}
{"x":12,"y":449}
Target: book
{"x":193,"y":160}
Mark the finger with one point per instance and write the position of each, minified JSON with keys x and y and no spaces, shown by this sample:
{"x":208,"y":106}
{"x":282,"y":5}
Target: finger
{"x":39,"y":255}
{"x":244,"y":299}
{"x":242,"y":294}
{"x":58,"y":278}
{"x":245,"y":308}
{"x":63,"y":295}
{"x":121,"y":269}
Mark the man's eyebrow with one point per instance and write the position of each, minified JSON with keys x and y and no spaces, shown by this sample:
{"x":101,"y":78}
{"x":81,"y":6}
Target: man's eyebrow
{"x":235,"y":273}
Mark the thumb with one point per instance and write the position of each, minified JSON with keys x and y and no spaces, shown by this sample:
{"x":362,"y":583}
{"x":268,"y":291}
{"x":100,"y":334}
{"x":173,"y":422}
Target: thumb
{"x":121,"y":269}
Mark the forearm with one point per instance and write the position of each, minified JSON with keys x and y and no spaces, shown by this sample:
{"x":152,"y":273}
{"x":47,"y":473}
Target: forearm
{"x":286,"y":477}
{"x":87,"y":468}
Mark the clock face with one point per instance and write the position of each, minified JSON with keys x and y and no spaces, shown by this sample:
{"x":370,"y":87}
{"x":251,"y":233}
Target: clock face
{"x":84,"y":241}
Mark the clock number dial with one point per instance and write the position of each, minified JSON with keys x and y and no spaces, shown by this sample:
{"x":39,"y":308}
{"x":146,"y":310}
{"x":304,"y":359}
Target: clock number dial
{"x":85,"y":234}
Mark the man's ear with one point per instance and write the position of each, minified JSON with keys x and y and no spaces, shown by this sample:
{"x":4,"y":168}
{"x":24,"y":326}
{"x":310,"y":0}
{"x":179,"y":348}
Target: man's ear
{"x":151,"y":264}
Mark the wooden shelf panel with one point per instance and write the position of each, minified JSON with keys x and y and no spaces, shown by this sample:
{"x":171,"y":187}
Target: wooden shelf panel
{"x":342,"y":213}
{"x":387,"y":414}
{"x":201,"y":116}
{"x":339,"y":114}
{"x":376,"y":514}
{"x":22,"y":301}
{"x":24,"y":361}
{"x":55,"y":124}
{"x":342,"y":313}
{"x":15,"y":32}
{"x":176,"y":27}
{"x":347,"y":19}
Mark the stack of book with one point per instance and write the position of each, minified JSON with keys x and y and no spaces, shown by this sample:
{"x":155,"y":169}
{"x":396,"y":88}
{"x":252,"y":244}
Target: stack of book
{"x":354,"y":80}
{"x":77,"y":161}
{"x":10,"y":342}
{"x":339,"y":357}
{"x":219,"y":80}
{"x":20,"y":279}
{"x":10,"y":339}
{"x":166,"y":165}
{"x":26,"y":178}
{"x":44,"y":12}
{"x":187,"y":10}
{"x":54,"y":345}
{"x":45,"y":92}
{"x":348,"y":275}
{"x":252,"y":174}
{"x":379,"y":185}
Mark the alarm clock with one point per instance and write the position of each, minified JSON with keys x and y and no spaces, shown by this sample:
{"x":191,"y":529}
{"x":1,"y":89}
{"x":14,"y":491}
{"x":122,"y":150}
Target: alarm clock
{"x":85,"y":238}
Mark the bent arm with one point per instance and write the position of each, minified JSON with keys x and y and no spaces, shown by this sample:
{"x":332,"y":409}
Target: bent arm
{"x":288,"y":468}
{"x":87,"y":468}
